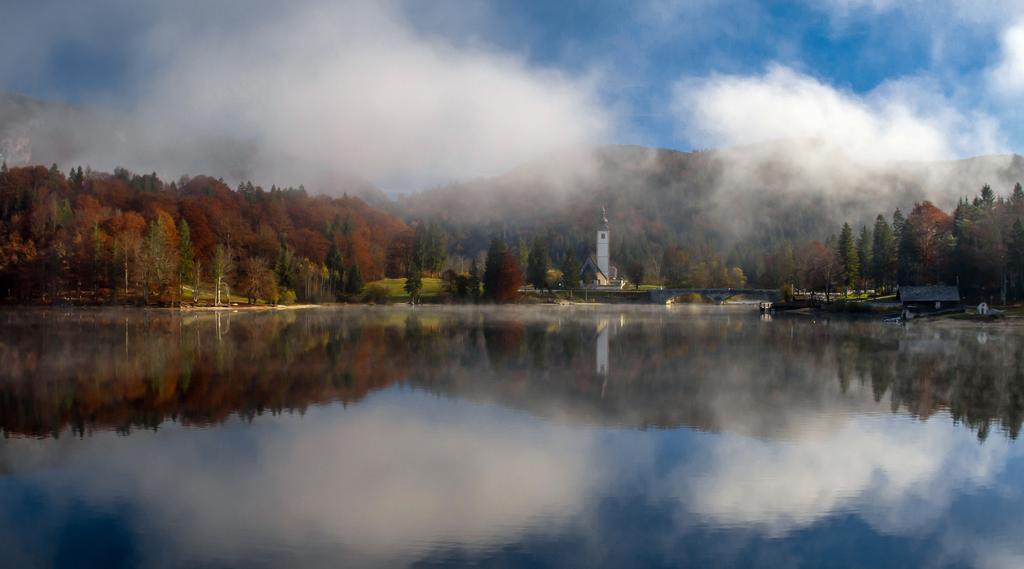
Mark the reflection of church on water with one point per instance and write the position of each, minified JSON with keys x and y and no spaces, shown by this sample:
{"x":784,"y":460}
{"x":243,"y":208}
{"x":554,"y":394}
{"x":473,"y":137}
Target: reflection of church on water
{"x":601,"y":343}
{"x":605,"y":328}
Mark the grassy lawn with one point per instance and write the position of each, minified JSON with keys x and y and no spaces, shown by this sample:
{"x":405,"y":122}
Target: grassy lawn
{"x":396,"y":287}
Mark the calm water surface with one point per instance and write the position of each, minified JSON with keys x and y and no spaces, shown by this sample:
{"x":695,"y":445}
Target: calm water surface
{"x":519,"y":437}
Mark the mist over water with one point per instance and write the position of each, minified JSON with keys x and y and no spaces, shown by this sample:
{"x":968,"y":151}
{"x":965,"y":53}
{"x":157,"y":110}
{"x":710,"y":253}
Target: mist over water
{"x":514,"y":436}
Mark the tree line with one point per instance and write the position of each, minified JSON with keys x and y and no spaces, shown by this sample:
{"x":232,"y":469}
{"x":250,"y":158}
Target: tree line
{"x":121,"y":237}
{"x":978,"y":246}
{"x":95,"y":237}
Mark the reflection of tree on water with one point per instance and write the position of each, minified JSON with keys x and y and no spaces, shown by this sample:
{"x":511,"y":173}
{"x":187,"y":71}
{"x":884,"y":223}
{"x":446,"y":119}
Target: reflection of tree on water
{"x":56,"y":372}
{"x":106,"y":369}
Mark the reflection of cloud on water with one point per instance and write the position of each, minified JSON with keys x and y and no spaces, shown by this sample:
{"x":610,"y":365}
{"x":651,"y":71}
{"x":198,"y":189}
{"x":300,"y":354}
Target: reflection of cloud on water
{"x":380,"y":482}
{"x":897,"y":474}
{"x":398,"y":476}
{"x":403,"y":475}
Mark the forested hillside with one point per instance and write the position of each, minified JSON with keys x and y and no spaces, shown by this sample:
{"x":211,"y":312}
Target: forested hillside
{"x":685,"y":216}
{"x":763,"y":216}
{"x":978,"y":246}
{"x":98,"y":237}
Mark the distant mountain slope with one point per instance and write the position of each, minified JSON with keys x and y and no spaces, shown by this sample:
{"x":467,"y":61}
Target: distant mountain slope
{"x":30,"y":129}
{"x":737,"y":202}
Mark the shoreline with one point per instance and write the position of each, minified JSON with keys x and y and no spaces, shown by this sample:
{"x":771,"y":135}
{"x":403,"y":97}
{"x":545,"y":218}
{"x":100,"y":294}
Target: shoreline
{"x":245,"y":307}
{"x":964,"y":319}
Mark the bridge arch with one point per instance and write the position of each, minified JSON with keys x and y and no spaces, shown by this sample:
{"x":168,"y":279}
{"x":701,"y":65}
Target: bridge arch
{"x":663,"y":296}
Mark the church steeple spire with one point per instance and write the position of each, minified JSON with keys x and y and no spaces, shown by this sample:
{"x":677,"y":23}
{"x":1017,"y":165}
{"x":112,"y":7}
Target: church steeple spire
{"x":602,"y":244}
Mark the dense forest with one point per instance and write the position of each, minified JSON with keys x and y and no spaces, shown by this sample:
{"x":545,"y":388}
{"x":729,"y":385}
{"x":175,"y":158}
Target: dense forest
{"x":91,"y":237}
{"x":123,"y":237}
{"x":979,"y":246}
{"x":754,"y":215}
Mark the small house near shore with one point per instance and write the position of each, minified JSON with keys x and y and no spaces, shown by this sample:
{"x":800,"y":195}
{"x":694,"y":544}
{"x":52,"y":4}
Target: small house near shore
{"x":921,"y":299}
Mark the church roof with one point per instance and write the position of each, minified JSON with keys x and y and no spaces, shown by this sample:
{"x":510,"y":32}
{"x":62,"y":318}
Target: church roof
{"x":592,"y":264}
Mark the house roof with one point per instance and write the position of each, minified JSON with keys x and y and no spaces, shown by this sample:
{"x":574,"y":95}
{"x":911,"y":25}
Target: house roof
{"x":591,"y":263}
{"x":929,"y":294}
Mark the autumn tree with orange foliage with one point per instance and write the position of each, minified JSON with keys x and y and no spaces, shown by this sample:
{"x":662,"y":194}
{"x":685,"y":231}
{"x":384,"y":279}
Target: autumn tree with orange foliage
{"x":932,"y":230}
{"x":502,"y":274}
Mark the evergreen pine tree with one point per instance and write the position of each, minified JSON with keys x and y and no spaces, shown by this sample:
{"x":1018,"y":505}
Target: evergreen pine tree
{"x":335,"y":268}
{"x":438,"y":248}
{"x":988,"y":197}
{"x":537,"y":265}
{"x":1017,"y":197}
{"x":898,"y":225}
{"x":473,"y":283}
{"x":907,"y":257}
{"x":413,"y":282}
{"x":846,"y":251}
{"x":522,"y":253}
{"x":53,"y":176}
{"x":570,"y":271}
{"x":883,"y":266}
{"x":1015,"y":258}
{"x":865,"y":255}
{"x":77,"y":178}
{"x":495,"y":252}
{"x":286,"y":268}
{"x":354,"y":281}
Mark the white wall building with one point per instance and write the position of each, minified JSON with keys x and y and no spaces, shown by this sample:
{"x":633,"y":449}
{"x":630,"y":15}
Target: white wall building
{"x":597,"y":270}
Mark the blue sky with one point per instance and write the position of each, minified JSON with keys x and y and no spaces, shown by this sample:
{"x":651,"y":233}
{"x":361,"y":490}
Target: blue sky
{"x":646,"y":48}
{"x":669,"y":73}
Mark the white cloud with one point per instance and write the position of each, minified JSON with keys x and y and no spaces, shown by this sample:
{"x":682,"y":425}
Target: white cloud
{"x":898,"y":474}
{"x":348,"y":87}
{"x":894,"y":122}
{"x":1008,"y":74}
{"x":384,"y":483}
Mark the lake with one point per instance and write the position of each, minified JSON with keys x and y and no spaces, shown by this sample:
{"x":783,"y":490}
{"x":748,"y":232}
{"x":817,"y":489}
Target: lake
{"x":507,"y":437}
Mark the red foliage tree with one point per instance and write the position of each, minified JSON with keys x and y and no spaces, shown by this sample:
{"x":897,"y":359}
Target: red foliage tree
{"x":933,"y":234}
{"x":509,"y":278}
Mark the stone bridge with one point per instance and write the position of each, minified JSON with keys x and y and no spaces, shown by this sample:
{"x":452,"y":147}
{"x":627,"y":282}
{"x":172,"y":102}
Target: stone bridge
{"x":662,"y":296}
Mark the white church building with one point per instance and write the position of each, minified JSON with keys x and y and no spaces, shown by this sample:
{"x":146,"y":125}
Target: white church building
{"x":597,"y":271}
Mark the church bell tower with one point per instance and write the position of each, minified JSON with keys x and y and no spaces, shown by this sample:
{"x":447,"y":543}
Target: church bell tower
{"x":602,"y":245}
